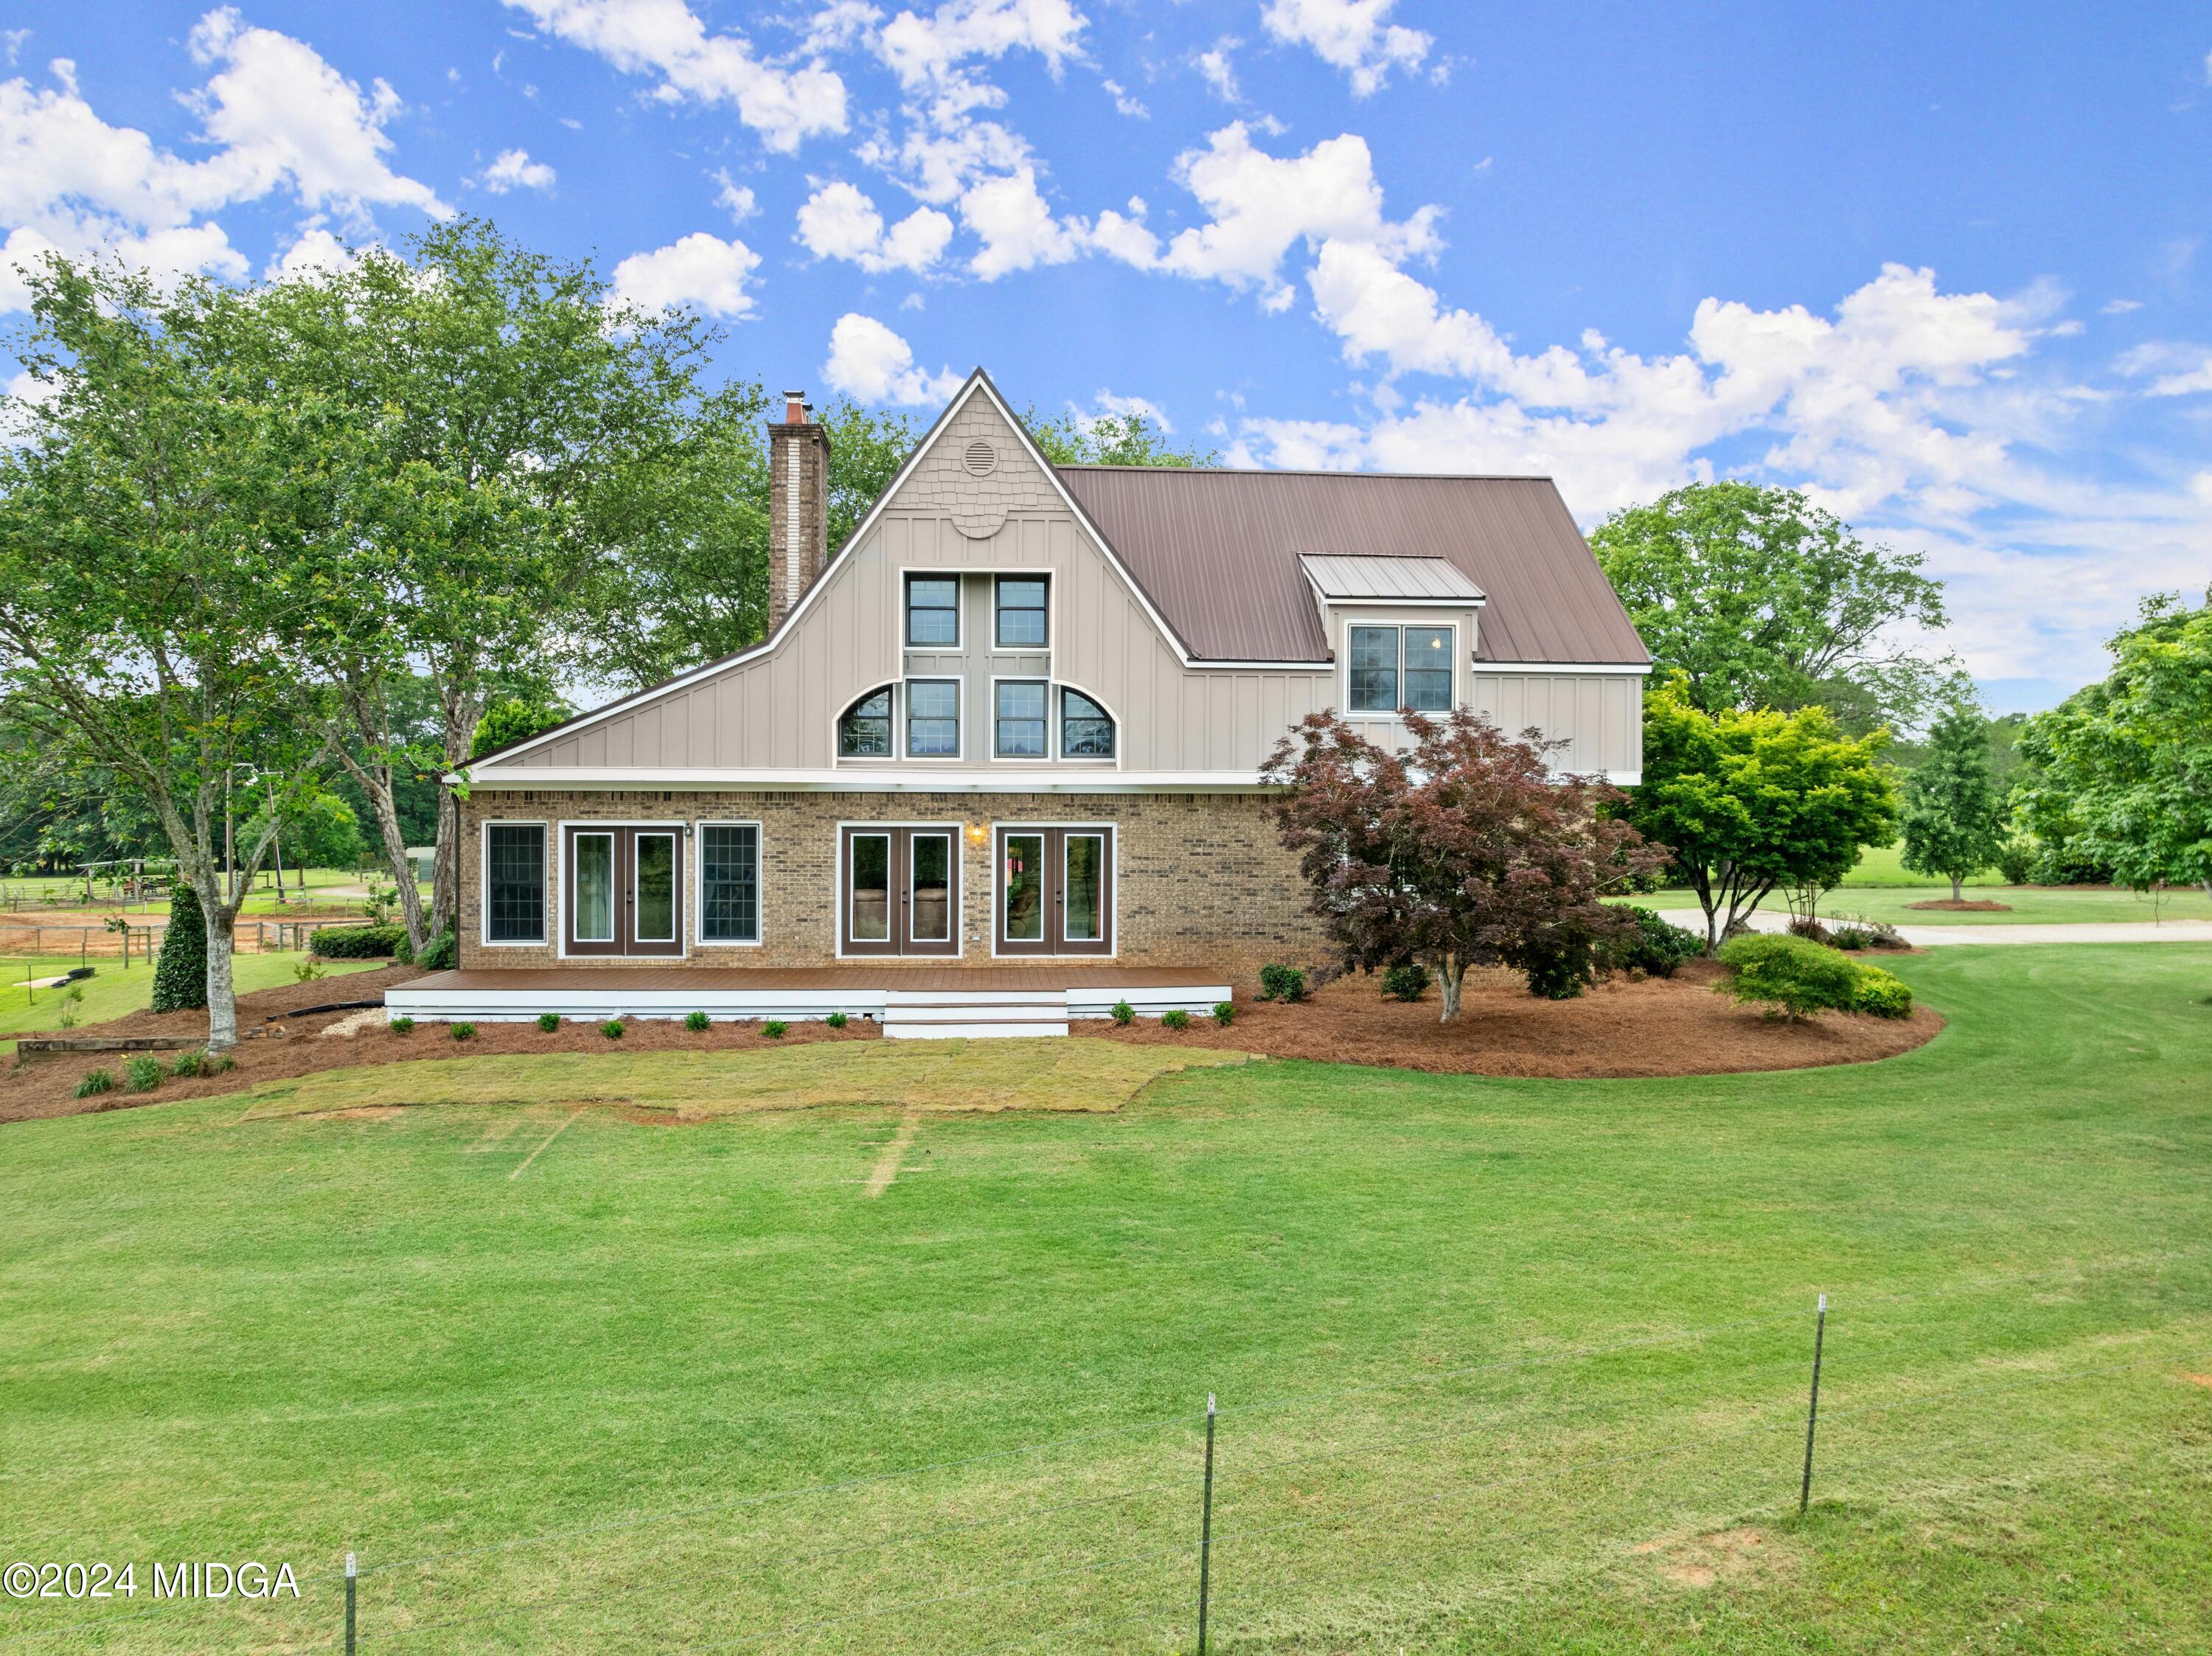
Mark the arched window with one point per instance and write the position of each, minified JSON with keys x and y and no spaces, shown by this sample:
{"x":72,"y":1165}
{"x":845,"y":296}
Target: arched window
{"x":865,"y":729}
{"x":1086,"y":730}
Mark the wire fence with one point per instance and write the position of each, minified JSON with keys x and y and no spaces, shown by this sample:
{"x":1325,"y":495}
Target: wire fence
{"x":1353,"y":1517}
{"x":139,"y":943}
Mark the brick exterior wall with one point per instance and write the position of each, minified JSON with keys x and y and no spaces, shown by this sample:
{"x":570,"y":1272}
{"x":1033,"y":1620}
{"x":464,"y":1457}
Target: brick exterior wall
{"x":1202,"y":879}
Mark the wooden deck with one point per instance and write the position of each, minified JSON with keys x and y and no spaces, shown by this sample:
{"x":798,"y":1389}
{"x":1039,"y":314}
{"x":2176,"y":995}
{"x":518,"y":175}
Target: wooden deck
{"x":906,"y":1001}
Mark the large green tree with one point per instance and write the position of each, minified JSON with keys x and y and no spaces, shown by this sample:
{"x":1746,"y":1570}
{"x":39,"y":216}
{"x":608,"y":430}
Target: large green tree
{"x":2120,"y":773}
{"x":164,"y":494}
{"x":1749,"y":800}
{"x":1952,"y":820}
{"x":521,"y":414}
{"x":1761,"y":600}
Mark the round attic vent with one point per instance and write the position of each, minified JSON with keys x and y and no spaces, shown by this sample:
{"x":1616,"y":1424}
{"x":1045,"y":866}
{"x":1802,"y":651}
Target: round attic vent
{"x":981,"y":459}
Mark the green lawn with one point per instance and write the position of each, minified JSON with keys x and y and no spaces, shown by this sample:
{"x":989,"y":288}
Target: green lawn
{"x":1502,"y":1365}
{"x":113,"y":992}
{"x":2027,"y":905}
{"x":63,"y":896}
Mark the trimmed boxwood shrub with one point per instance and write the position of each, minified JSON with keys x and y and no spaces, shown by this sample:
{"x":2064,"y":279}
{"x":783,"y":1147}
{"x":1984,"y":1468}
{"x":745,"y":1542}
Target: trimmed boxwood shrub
{"x":1881,"y":994}
{"x":1282,"y":983}
{"x":1225,"y":1012}
{"x":695,"y":1021}
{"x":180,"y":973}
{"x":1798,"y":977}
{"x":775,"y":1028}
{"x":1407,"y":982}
{"x":357,"y":942}
{"x":464,"y":1032}
{"x":1175,"y":1019}
{"x":612,"y":1029}
{"x":400,"y":1026}
{"x":1123,"y":1013}
{"x":440,"y":954}
{"x":836,"y":1020}
{"x":549,"y":1022}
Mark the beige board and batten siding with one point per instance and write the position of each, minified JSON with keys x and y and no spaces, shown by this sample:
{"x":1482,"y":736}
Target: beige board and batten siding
{"x":776,"y":711}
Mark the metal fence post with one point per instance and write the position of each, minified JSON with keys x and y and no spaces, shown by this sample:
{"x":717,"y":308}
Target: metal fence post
{"x":350,"y":1591}
{"x":1813,"y":1405}
{"x":1205,"y":1530}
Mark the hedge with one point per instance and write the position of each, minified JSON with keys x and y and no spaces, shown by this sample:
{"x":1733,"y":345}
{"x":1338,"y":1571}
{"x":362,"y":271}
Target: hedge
{"x":180,"y":973}
{"x":357,"y":942}
{"x":1802,"y":977}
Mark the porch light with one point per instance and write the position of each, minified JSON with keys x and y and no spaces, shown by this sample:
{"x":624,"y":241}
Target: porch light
{"x":975,"y":832}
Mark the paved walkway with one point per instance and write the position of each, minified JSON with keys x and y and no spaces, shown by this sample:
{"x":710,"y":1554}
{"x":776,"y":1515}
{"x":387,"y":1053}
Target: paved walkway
{"x":1939,"y":936}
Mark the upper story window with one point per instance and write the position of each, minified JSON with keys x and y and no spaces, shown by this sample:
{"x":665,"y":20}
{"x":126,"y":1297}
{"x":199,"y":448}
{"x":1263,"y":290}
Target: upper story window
{"x":865,"y":731}
{"x":1086,"y":730}
{"x":514,"y":882}
{"x":1394,"y":667}
{"x":933,"y":718}
{"x":933,"y":612}
{"x":1018,"y":725}
{"x":1021,"y":623}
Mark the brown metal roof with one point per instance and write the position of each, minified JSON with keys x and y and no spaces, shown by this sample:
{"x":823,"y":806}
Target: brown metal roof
{"x":1217,"y":553}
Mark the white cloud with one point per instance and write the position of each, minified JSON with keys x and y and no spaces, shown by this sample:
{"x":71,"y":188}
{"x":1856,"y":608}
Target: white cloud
{"x":839,"y":221}
{"x":1124,"y":103}
{"x":2174,"y":370}
{"x":1353,"y":35}
{"x":734,"y":198}
{"x":1219,"y":70}
{"x":316,"y":250}
{"x":280,"y":113}
{"x":2119,"y":307}
{"x":927,"y":51}
{"x":701,"y":270}
{"x":1108,"y":403}
{"x":1015,"y":226}
{"x":785,"y":102}
{"x":513,"y":170}
{"x":871,"y":364}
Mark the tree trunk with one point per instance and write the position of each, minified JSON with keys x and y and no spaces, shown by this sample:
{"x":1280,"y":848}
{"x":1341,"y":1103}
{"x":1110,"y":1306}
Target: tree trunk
{"x":223,"y":995}
{"x":461,"y":710}
{"x":1451,"y":974}
{"x":1955,"y":889}
{"x":376,"y":782}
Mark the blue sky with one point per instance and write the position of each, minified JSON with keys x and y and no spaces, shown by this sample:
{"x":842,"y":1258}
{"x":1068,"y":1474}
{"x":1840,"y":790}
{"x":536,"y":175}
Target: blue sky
{"x":1943,"y":267}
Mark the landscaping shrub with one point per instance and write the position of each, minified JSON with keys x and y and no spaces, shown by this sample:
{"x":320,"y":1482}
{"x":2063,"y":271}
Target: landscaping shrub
{"x":356,"y":943}
{"x":1560,"y":961}
{"x":464,"y":1032}
{"x":2016,"y":859}
{"x":1798,"y":977}
{"x":1282,"y":983}
{"x":216,"y":1063}
{"x":1657,"y":946}
{"x":695,"y":1021}
{"x":775,"y":1028}
{"x":96,"y":1082}
{"x":836,"y":1020}
{"x":1124,"y":1012}
{"x":440,"y":953}
{"x":1407,"y":982}
{"x":400,"y":1026}
{"x":1851,"y":938}
{"x":549,"y":1022}
{"x":180,"y":973}
{"x":1881,"y":994}
{"x":1176,"y":1019}
{"x":1225,"y":1012}
{"x":187,"y":1065}
{"x":1805,"y":926}
{"x":141,"y":1073}
{"x":612,"y":1029}
{"x":307,"y":971}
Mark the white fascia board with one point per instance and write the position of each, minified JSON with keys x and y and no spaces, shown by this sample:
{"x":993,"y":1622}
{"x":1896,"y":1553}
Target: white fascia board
{"x":846,"y":781}
{"x":1562,"y":669}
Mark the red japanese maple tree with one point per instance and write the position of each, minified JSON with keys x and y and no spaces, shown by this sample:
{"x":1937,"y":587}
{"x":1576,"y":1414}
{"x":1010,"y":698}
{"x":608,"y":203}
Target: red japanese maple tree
{"x":1467,"y":850}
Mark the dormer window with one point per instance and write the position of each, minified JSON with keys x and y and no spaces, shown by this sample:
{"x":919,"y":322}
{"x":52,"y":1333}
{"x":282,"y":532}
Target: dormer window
{"x":1021,"y":616}
{"x":865,"y":731}
{"x":1394,"y":667}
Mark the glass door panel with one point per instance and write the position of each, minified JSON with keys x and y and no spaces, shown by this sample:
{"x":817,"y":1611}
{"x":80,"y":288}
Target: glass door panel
{"x":1083,"y":888}
{"x":595,"y":888}
{"x":1021,"y":888}
{"x":653,"y":895}
{"x":868,"y":888}
{"x":929,"y":915}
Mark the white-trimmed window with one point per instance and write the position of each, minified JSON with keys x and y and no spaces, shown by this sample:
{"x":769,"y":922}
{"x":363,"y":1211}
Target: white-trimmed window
{"x":1394,"y":667}
{"x":729,"y":883}
{"x":1020,"y":612}
{"x":933,"y":718}
{"x":864,"y":730}
{"x":514,"y":882}
{"x":1086,"y":730}
{"x":933,"y":612}
{"x":1017,"y":720}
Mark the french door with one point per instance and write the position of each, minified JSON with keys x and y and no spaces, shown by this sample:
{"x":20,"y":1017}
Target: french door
{"x":1055,"y":891}
{"x":625,"y":892}
{"x":899,"y":891}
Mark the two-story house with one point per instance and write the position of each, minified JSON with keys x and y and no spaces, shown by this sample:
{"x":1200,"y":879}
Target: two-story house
{"x":1004,"y":749}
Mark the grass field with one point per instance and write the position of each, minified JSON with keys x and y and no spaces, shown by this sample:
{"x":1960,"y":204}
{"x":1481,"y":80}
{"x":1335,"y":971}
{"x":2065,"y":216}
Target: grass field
{"x":63,"y":896}
{"x":2028,"y":904}
{"x":113,"y":992}
{"x":1502,"y":1365}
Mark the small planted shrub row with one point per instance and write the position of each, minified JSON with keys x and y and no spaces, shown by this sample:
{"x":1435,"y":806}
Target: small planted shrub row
{"x":144,"y":1072}
{"x":464,"y":1032}
{"x":836,"y":1020}
{"x":357,"y":942}
{"x":1282,"y":983}
{"x":1801,"y":978}
{"x":1176,"y":1018}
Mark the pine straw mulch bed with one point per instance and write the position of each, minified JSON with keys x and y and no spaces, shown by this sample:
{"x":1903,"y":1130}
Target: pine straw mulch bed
{"x":1659,"y":1027}
{"x":37,"y":1088}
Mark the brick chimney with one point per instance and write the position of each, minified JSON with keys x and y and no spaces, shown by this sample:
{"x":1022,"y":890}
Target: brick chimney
{"x":798,"y":504}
